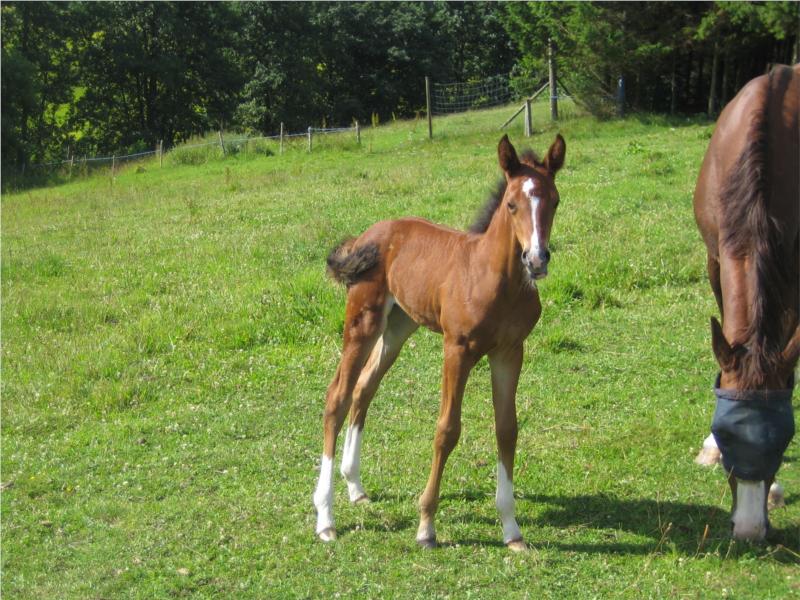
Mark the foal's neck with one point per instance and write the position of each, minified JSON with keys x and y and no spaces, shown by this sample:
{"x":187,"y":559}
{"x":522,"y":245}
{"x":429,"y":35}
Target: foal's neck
{"x":500,"y":248}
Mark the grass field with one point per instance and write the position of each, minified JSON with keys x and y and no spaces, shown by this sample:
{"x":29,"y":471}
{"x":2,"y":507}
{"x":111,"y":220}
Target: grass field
{"x":168,"y":336}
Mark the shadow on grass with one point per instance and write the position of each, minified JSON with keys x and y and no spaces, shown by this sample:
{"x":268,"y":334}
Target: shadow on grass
{"x":678,"y":525}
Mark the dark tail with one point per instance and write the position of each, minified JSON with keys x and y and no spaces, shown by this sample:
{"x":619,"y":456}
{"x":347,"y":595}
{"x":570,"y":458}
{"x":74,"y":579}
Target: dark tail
{"x":347,"y":263}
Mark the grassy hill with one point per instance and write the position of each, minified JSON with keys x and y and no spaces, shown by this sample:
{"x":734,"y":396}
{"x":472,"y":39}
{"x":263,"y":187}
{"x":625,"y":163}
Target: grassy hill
{"x":168,"y":336}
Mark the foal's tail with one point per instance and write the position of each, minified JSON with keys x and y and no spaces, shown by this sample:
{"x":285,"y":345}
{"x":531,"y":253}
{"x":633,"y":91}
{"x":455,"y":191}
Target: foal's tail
{"x":348,"y":263}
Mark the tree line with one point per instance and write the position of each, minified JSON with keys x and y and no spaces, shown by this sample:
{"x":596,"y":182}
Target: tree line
{"x":86,"y":78}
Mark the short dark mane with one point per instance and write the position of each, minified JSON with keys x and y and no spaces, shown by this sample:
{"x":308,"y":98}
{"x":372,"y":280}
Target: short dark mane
{"x":485,"y":214}
{"x":749,"y":230}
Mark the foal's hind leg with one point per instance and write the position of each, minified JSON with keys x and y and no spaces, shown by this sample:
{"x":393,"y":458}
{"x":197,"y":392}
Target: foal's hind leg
{"x":399,"y":327}
{"x":365,"y":319}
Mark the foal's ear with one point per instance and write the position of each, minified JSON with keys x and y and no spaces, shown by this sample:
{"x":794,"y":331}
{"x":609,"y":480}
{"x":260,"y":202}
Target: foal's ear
{"x":555,"y":156}
{"x":507,"y":155}
{"x":722,"y":349}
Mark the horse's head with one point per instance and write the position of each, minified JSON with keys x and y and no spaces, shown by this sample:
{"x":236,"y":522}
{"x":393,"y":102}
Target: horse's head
{"x":531,"y":199}
{"x":753,"y":424}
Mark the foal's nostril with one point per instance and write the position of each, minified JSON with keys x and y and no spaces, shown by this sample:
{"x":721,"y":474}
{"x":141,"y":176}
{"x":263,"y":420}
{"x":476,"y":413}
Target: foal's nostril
{"x":544,"y":255}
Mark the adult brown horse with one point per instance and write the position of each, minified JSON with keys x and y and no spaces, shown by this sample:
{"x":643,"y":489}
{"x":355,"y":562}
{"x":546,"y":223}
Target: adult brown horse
{"x":746,"y":205}
{"x":476,"y":288}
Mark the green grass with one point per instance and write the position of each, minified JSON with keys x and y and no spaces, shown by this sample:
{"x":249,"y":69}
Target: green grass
{"x":168,"y":336}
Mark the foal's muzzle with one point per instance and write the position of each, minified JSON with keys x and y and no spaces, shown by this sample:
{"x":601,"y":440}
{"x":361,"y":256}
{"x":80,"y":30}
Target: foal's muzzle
{"x":536,"y":262}
{"x":753,"y":428}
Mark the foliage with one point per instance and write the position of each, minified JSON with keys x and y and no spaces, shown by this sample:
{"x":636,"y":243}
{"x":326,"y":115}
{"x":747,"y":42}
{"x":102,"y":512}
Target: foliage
{"x":88,"y":78}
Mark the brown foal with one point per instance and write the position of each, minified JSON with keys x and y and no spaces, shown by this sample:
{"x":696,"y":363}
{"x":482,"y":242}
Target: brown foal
{"x":478,"y":289}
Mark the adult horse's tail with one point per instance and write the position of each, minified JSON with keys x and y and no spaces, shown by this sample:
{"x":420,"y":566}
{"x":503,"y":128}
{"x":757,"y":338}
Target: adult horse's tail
{"x":347,"y":263}
{"x":751,"y":230}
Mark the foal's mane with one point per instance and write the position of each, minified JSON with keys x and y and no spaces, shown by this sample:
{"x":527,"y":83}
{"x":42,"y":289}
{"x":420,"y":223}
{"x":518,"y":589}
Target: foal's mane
{"x":485,"y":214}
{"x":749,"y":230}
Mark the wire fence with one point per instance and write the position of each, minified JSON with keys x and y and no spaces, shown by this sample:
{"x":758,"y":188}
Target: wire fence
{"x":495,"y":90}
{"x":79,"y":163}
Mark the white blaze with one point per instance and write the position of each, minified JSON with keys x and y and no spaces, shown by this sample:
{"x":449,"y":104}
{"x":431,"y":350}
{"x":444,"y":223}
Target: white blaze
{"x":749,"y":518}
{"x":323,"y":496}
{"x":504,"y":501}
{"x":528,"y":189}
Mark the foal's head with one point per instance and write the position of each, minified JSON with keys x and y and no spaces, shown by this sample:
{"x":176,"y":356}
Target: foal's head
{"x":531,"y":199}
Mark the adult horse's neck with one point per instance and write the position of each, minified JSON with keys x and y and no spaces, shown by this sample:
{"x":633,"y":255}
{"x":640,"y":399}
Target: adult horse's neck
{"x":500,"y":249}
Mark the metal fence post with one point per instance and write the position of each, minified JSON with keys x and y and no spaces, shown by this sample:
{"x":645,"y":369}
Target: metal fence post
{"x":621,"y":97}
{"x":309,"y":138}
{"x":428,"y":103}
{"x":528,"y":118}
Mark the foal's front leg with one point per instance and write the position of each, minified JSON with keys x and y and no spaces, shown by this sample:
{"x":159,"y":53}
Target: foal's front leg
{"x":506,"y":365}
{"x":458,"y":362}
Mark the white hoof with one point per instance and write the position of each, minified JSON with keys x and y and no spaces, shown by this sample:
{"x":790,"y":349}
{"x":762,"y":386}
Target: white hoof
{"x":328,"y":535}
{"x":517,"y":546}
{"x":775,"y":498}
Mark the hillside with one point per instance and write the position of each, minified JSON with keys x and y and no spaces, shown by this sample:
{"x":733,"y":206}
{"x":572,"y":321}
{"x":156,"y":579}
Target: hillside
{"x":168,"y":336}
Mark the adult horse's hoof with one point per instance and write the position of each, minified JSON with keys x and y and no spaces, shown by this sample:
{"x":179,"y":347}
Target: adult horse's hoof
{"x":775,"y":497}
{"x":427,"y":544}
{"x":708,"y":457}
{"x":362,"y":499}
{"x":328,"y":535}
{"x":517,"y":545}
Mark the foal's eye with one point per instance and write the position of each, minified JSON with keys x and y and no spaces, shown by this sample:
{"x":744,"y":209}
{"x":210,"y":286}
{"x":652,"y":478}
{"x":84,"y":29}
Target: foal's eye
{"x":512,"y":207}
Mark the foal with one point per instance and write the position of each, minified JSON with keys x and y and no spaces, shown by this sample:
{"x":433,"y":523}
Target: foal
{"x":478,"y":289}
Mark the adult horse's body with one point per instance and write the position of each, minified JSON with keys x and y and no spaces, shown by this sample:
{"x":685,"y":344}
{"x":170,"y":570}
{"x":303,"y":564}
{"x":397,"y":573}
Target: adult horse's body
{"x":477,"y":289}
{"x":746,"y":204}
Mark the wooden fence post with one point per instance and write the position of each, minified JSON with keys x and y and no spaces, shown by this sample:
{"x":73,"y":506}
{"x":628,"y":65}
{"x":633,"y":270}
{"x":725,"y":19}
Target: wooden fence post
{"x":71,"y":164}
{"x":309,"y":138}
{"x":113,"y":164}
{"x":358,"y":133}
{"x":221,"y":142}
{"x":528,"y":118}
{"x":428,"y":103}
{"x":281,"y":146}
{"x":161,"y":153}
{"x":621,"y":97}
{"x":553,"y":83}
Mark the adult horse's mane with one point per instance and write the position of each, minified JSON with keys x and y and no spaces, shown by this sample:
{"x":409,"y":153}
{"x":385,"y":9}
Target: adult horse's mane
{"x":485,"y":214}
{"x":749,"y":230}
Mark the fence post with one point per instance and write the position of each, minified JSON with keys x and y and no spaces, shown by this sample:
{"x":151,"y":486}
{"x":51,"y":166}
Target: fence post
{"x":221,"y":142}
{"x":161,"y":153}
{"x":71,"y":164}
{"x":113,"y":164}
{"x":621,"y":97}
{"x":553,"y":83}
{"x":428,"y":103}
{"x":358,"y":133}
{"x":280,"y":151}
{"x":528,"y":118}
{"x":309,"y":138}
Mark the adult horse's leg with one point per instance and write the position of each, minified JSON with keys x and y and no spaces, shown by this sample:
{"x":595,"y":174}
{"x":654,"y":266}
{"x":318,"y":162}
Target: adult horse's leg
{"x":399,"y":327}
{"x":365,"y":318}
{"x":506,"y":365}
{"x":709,"y":454}
{"x":458,"y":362}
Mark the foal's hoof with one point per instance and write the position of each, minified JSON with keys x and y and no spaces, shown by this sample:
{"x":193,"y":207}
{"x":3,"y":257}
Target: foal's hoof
{"x":708,"y":457}
{"x":328,"y":535}
{"x":362,"y":499}
{"x":517,"y":545}
{"x":427,"y":544}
